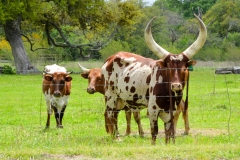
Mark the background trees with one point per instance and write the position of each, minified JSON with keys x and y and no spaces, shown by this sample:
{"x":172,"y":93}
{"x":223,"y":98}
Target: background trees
{"x":97,"y":29}
{"x":97,"y":21}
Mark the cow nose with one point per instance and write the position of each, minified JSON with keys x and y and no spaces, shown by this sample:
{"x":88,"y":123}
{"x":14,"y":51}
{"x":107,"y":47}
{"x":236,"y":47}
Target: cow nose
{"x":176,"y":86}
{"x":90,"y":90}
{"x":57,"y":94}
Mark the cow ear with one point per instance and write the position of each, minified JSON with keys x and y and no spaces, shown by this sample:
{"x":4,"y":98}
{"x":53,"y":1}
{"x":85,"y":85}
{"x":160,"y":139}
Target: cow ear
{"x":68,"y":78}
{"x":161,"y":63}
{"x":191,"y":63}
{"x":85,"y":75}
{"x":48,"y":77}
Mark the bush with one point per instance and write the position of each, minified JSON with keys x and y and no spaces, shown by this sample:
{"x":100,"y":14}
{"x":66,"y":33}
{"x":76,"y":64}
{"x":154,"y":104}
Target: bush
{"x":6,"y":69}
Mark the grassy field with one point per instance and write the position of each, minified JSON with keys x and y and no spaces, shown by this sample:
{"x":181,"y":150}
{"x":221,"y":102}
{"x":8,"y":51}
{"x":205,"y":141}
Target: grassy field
{"x":214,"y":114}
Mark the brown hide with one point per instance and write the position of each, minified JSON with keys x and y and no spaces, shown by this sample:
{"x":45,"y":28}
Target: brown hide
{"x":58,"y":83}
{"x":96,"y":84}
{"x":95,"y":80}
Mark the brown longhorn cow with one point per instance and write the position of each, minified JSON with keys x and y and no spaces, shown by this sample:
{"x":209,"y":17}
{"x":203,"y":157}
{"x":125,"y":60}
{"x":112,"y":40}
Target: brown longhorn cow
{"x":96,"y":84}
{"x":56,"y":87}
{"x":156,"y":84}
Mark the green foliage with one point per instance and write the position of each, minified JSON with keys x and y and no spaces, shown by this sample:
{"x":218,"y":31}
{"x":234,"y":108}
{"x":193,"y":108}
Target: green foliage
{"x":187,"y":8}
{"x":7,"y":70}
{"x":222,"y":17}
{"x":234,"y":38}
{"x":114,"y":47}
{"x":90,"y":21}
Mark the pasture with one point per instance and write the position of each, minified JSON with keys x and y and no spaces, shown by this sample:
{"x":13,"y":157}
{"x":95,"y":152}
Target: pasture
{"x":214,"y":115}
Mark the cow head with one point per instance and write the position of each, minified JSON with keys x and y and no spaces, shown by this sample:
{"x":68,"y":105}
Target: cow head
{"x":176,"y":65}
{"x":57,"y":81}
{"x":95,"y":79}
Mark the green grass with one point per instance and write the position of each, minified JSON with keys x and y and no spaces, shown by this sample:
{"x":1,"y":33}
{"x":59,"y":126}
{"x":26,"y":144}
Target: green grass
{"x":214,"y":114}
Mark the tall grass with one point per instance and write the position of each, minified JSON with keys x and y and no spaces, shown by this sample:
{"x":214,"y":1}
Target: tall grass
{"x":213,"y":113}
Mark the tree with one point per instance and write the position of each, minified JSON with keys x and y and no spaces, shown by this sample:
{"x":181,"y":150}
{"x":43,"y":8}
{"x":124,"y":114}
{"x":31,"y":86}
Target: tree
{"x":222,"y":17}
{"x":90,"y":16}
{"x":187,"y":7}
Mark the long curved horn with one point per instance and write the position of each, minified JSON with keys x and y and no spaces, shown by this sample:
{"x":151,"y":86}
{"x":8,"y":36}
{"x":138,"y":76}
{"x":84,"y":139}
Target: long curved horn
{"x":197,"y":45}
{"x":83,"y":69}
{"x":153,"y":46}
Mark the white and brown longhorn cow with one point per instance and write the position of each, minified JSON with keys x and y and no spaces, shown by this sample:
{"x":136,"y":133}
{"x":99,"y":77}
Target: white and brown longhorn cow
{"x":156,"y":84}
{"x":56,"y":87}
{"x":96,"y":83}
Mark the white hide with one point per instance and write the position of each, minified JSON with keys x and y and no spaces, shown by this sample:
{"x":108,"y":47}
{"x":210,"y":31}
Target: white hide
{"x":138,"y":79}
{"x":54,"y":68}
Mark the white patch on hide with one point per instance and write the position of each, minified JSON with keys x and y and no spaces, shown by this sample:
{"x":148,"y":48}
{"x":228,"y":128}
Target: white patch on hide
{"x":54,"y":68}
{"x":59,"y":103}
{"x":165,"y":117}
{"x":178,"y":57}
{"x":168,"y":125}
{"x":128,"y":60}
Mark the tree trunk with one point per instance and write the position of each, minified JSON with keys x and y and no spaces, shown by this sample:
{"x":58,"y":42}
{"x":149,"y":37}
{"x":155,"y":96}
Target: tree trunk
{"x":13,"y":35}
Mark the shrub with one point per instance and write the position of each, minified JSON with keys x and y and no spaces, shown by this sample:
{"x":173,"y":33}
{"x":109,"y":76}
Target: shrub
{"x":7,"y":70}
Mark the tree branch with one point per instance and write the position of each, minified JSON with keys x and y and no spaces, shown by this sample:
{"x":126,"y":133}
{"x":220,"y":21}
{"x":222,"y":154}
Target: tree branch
{"x":32,"y":44}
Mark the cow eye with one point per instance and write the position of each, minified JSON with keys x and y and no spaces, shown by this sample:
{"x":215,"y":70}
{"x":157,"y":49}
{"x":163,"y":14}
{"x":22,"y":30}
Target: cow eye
{"x":53,"y":81}
{"x":62,"y":82}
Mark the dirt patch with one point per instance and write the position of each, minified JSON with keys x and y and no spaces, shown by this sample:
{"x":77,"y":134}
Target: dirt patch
{"x":192,"y":132}
{"x":205,"y":132}
{"x":65,"y":157}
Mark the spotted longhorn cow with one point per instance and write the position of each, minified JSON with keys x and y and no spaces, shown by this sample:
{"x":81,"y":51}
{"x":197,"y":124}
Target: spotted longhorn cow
{"x":56,"y":88}
{"x":96,"y":84}
{"x":156,"y":84}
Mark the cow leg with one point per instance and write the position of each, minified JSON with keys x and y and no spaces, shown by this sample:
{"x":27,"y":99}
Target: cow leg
{"x":49,"y":112}
{"x":137,"y":118}
{"x":57,"y":117}
{"x":61,"y":117}
{"x":186,"y":122}
{"x":169,"y":132}
{"x":116,"y":125}
{"x":111,"y":121}
{"x":153,"y":117}
{"x":128,"y":114}
{"x":48,"y":120}
{"x":176,"y":116}
{"x":106,"y":121}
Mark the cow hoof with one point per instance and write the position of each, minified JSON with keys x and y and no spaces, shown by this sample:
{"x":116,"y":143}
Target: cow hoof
{"x":118,"y":139}
{"x":47,"y":127}
{"x":127,"y":134}
{"x":60,"y":126}
{"x":184,"y":133}
{"x":142,"y":136}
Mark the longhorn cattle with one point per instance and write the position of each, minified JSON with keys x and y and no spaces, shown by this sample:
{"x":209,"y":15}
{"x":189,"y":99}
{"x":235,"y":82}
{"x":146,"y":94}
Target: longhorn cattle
{"x":156,"y":84}
{"x":56,"y":87}
{"x":96,"y":84}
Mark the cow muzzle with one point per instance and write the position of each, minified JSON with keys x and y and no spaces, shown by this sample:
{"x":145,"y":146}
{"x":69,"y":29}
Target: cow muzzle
{"x":57,"y":94}
{"x":90,"y":90}
{"x":176,"y":87}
